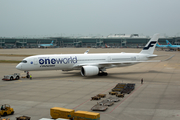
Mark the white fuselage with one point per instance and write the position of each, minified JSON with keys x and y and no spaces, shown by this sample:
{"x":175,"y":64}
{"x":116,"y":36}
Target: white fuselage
{"x":72,"y":61}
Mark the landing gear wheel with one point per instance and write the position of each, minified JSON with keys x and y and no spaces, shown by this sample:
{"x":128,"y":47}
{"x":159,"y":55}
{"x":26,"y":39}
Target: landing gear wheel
{"x":103,"y":74}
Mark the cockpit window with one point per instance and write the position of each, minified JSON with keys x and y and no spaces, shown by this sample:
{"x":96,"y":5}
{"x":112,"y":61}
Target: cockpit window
{"x":24,"y":61}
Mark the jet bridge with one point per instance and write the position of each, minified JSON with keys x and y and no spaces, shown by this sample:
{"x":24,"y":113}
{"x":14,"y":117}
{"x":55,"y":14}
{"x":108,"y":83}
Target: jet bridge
{"x":2,"y":43}
{"x":77,"y":43}
{"x":99,"y":43}
{"x":21,"y":43}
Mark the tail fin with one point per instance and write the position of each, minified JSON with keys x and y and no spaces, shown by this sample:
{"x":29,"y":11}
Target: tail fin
{"x":158,"y":44}
{"x":51,"y":42}
{"x":150,"y":46}
{"x":168,"y":43}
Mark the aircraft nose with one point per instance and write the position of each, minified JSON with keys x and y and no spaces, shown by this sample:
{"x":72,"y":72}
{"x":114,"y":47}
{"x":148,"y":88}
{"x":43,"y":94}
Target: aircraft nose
{"x":18,"y":67}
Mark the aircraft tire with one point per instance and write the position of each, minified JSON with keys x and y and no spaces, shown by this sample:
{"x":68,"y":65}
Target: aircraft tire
{"x":103,"y":74}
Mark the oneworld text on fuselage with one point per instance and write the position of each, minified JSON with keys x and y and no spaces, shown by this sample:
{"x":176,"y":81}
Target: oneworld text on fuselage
{"x":65,"y":60}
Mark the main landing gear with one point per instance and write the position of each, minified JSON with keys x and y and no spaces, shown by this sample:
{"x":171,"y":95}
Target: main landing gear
{"x":102,"y":74}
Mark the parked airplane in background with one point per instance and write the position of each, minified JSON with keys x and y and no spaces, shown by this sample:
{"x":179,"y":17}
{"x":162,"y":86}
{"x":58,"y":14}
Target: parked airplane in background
{"x":161,"y":46}
{"x":175,"y":47}
{"x":45,"y":45}
{"x":106,"y":46}
{"x":89,"y":64}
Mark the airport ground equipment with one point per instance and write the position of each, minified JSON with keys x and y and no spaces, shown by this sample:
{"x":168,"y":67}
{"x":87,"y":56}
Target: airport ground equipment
{"x":119,"y":87}
{"x":99,"y":107}
{"x":23,"y":118}
{"x":52,"y":119}
{"x":15,"y":76}
{"x":112,"y":93}
{"x":4,"y":118}
{"x":85,"y":115}
{"x":23,"y":75}
{"x":106,"y":102}
{"x":95,"y":98}
{"x":120,"y":95}
{"x":57,"y":112}
{"x":122,"y":88}
{"x":6,"y":110}
{"x":129,"y":87}
{"x":101,"y":95}
{"x":113,"y":99}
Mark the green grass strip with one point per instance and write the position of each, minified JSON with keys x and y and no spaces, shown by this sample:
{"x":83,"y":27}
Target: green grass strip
{"x":15,"y":55}
{"x":9,"y":61}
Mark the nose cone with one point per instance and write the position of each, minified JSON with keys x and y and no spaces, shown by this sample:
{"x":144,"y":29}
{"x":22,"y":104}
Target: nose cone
{"x":19,"y":67}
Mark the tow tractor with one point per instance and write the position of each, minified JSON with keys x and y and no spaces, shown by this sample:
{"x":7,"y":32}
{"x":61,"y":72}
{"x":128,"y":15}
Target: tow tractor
{"x":6,"y":110}
{"x":15,"y":76}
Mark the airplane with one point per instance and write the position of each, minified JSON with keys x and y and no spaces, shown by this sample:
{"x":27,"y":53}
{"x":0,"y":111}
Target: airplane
{"x":89,"y":64}
{"x":106,"y":46}
{"x":174,"y":47}
{"x":161,"y":46}
{"x":45,"y":45}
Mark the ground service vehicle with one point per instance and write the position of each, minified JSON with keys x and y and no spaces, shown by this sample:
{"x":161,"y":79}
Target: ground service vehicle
{"x":101,"y":95}
{"x":57,"y":112}
{"x":63,"y":113}
{"x":6,"y":110}
{"x":23,"y":118}
{"x":15,"y":76}
{"x":95,"y":98}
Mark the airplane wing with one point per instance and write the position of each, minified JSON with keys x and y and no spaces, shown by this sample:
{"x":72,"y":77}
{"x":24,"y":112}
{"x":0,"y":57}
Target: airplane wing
{"x":108,"y":64}
{"x":104,"y":64}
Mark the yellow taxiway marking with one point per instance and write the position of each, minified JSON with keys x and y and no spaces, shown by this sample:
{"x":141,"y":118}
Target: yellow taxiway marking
{"x":17,"y":81}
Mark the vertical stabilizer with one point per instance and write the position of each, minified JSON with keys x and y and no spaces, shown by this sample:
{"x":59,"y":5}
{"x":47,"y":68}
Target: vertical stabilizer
{"x":150,"y":46}
{"x":51,"y":43}
{"x":168,"y":43}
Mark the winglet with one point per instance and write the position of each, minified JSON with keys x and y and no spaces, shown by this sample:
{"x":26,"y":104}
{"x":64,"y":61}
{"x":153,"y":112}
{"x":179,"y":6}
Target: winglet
{"x":86,"y":52}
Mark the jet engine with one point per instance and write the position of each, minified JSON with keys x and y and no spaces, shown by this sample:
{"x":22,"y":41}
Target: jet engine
{"x":89,"y":70}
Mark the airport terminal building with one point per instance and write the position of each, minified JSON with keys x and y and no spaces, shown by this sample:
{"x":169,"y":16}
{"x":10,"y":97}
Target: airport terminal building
{"x":116,"y":41}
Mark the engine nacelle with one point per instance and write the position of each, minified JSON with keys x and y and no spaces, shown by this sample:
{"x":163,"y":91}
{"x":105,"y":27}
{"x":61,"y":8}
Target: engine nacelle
{"x":89,"y":70}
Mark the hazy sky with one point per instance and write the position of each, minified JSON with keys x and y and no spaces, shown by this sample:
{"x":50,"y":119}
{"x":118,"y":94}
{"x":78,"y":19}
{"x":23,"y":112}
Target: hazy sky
{"x":42,"y":18}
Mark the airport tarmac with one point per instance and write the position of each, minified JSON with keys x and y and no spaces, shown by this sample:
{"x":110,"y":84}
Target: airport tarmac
{"x":157,"y":98}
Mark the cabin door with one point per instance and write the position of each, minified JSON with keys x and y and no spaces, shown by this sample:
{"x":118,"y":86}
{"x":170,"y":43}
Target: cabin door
{"x":109,"y":59}
{"x":35,"y":61}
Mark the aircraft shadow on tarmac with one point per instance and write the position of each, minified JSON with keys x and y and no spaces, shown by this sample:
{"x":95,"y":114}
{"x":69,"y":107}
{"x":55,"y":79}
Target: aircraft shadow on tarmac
{"x":112,"y":76}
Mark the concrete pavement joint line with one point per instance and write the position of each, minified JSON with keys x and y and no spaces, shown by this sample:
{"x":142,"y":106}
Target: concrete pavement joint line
{"x":154,"y":114}
{"x":123,"y":100}
{"x":90,"y":99}
{"x":81,"y":104}
{"x":60,"y":78}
